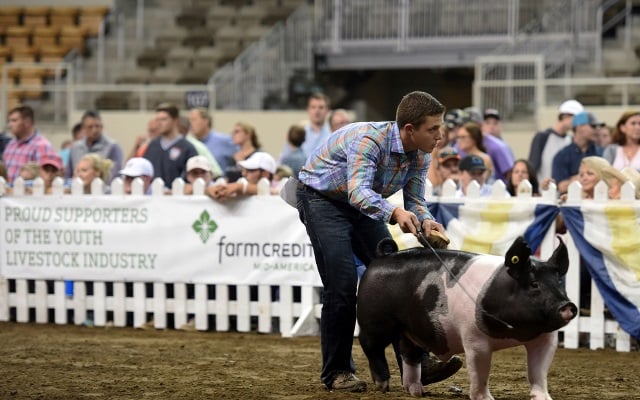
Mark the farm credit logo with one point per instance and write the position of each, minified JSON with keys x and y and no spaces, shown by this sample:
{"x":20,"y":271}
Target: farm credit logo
{"x":204,"y":226}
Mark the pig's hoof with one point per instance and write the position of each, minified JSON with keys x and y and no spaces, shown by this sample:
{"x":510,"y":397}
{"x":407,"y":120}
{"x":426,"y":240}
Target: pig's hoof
{"x":414,"y":389}
{"x":382,"y":386}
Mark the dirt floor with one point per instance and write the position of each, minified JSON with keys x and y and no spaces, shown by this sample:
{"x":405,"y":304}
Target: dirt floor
{"x":69,"y":362}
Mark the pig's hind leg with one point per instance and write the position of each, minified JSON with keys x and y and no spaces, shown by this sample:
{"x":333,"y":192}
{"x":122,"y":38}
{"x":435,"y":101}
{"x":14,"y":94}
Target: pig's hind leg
{"x":374,"y":347}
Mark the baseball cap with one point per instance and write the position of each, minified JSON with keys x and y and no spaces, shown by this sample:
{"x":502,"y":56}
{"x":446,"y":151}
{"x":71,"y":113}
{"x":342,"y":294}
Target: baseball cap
{"x":491,"y":113}
{"x":585,"y":118}
{"x":448,"y":153}
{"x":572,"y":107}
{"x":137,"y":166}
{"x":471,"y":162}
{"x":51,"y":159}
{"x":473,"y":114}
{"x":259,"y":160}
{"x":455,"y":117}
{"x":200,"y":162}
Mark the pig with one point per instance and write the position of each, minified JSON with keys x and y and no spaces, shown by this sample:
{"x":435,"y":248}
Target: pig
{"x":455,"y":301}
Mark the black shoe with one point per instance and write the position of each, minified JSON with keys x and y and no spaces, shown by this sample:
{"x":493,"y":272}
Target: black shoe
{"x":348,"y":382}
{"x":434,"y":370}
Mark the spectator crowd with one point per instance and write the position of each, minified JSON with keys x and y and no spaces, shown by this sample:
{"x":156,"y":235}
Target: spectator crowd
{"x":577,"y":146}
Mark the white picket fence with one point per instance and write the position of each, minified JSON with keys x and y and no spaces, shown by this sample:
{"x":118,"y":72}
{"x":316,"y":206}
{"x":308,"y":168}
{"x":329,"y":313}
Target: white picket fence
{"x":294,"y":311}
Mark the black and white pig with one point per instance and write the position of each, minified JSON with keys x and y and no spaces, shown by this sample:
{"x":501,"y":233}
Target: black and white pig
{"x":463,"y":302}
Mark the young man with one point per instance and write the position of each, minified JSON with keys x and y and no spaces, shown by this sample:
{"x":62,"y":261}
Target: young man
{"x":546,"y":144}
{"x":317,"y":129}
{"x":341,"y":199}
{"x":170,"y":151}
{"x":566,"y":162}
{"x":27,"y":145}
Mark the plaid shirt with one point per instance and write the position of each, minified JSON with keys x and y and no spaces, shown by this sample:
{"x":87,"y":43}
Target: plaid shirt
{"x":21,"y":152}
{"x":364,"y":163}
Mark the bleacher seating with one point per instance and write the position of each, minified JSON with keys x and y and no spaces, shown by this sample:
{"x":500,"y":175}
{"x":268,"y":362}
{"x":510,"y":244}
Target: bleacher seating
{"x":42,"y":34}
{"x":205,"y":34}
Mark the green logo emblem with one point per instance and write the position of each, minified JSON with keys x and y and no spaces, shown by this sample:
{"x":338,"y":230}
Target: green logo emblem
{"x":204,"y":226}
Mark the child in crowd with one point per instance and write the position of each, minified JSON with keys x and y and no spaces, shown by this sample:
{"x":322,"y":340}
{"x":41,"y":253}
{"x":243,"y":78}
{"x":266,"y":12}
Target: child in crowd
{"x":90,"y":167}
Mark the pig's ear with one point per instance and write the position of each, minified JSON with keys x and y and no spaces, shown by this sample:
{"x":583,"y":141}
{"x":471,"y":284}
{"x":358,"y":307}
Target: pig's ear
{"x":386,"y":246}
{"x":517,"y":259}
{"x":560,"y":258}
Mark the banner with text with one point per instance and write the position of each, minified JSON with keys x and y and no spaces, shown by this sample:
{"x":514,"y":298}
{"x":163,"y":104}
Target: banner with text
{"x":258,"y":240}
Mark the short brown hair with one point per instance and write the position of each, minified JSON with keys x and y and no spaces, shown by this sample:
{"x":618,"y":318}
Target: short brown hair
{"x":169,"y":108}
{"x":26,"y":112}
{"x":415,"y":107}
{"x":296,"y":135}
{"x":320,"y":96}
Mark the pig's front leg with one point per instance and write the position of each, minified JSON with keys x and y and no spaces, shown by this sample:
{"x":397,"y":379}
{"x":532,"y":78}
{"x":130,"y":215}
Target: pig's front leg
{"x":478,"y":357}
{"x":411,"y":373}
{"x":540,"y":352}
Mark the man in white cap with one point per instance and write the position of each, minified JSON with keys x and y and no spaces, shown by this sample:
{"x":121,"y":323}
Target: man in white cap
{"x":259,"y":165}
{"x":198,"y":167}
{"x":546,"y":144}
{"x":137,"y":167}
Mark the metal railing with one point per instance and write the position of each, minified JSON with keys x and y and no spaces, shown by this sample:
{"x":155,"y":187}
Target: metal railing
{"x":400,"y":24}
{"x":68,"y":96}
{"x":517,"y":78}
{"x":260,"y":74}
{"x":523,"y":88}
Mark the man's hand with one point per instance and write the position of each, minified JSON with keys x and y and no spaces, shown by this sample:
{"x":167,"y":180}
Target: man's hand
{"x":406,"y":220}
{"x":433,"y":235}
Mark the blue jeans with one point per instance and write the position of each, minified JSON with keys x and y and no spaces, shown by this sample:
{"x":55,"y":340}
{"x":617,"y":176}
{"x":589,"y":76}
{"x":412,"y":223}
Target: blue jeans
{"x":337,"y":232}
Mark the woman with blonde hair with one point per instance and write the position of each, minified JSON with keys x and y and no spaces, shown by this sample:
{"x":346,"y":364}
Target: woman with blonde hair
{"x":93,"y":166}
{"x":623,"y":151}
{"x":591,"y":171}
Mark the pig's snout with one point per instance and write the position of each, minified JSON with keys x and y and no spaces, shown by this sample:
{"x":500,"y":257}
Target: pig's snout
{"x":568,"y":311}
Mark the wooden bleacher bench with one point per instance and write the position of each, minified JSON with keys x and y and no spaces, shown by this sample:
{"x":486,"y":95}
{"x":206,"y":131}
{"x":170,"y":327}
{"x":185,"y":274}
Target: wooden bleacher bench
{"x":90,"y":19}
{"x":9,"y":16}
{"x":73,"y":37}
{"x":16,"y":36}
{"x":63,"y":16}
{"x":44,"y":36}
{"x":35,"y":16}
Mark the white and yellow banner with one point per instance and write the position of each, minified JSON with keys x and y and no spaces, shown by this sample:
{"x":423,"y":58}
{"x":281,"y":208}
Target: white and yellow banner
{"x":258,"y":240}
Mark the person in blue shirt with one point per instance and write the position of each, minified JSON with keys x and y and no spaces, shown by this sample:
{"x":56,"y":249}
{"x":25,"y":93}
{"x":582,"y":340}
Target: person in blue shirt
{"x":219,"y":144}
{"x":317,"y":130}
{"x":567,"y":161}
{"x":341,"y":198}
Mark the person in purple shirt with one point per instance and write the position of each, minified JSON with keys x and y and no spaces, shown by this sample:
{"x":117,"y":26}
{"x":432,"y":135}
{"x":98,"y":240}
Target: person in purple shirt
{"x":499,"y":151}
{"x":500,"y":154}
{"x":342,"y":200}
